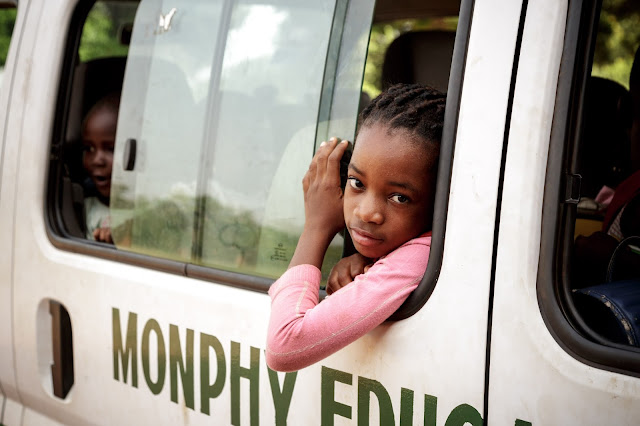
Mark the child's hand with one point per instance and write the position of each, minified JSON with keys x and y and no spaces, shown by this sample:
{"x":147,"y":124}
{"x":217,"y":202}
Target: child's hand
{"x":346,"y":270}
{"x":103,"y":235}
{"x":322,"y":191}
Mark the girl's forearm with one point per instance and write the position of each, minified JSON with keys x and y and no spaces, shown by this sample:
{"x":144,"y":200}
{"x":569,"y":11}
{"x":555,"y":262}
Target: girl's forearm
{"x":312,"y":245}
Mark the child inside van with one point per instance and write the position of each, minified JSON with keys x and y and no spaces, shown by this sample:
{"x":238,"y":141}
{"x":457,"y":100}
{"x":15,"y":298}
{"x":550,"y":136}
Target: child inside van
{"x":98,"y":140}
{"x":387,"y":208}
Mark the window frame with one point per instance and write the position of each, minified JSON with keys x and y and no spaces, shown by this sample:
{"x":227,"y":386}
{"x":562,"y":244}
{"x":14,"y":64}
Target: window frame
{"x":422,"y":293}
{"x":560,"y":209}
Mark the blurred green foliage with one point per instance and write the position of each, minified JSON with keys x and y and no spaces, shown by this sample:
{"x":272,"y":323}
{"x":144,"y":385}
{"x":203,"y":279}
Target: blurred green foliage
{"x":101,"y":31}
{"x":618,"y":39}
{"x":7,"y":21}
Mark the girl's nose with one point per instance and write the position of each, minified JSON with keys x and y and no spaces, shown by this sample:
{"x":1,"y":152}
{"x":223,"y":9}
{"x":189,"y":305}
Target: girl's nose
{"x":369,"y":210}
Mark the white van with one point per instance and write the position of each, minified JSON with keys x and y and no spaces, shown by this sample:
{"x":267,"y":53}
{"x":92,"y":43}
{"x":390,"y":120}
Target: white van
{"x":222,"y":105}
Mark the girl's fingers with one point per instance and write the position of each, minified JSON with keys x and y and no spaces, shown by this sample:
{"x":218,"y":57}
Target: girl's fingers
{"x":333,"y":284}
{"x":323,"y":155}
{"x":357,"y":268}
{"x":346,"y":279}
{"x":320,"y":159}
{"x":333,"y":162}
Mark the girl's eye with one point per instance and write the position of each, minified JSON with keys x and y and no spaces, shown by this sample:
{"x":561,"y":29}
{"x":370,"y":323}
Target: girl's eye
{"x":355,"y":183}
{"x":399,"y":198}
{"x":88,"y":148}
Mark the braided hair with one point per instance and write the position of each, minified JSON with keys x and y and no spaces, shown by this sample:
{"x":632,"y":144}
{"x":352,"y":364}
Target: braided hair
{"x":412,"y":107}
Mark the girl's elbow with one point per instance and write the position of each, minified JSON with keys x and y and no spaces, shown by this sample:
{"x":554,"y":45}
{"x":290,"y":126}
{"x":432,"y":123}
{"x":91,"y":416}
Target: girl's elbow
{"x":280,"y":363}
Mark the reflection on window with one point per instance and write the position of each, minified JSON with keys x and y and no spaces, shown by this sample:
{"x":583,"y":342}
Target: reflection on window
{"x":222,"y":105}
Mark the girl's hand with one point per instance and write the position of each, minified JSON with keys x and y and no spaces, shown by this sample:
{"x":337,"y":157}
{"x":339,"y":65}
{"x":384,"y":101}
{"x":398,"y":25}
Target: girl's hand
{"x":346,"y":270}
{"x":322,"y":191}
{"x":323,"y":210}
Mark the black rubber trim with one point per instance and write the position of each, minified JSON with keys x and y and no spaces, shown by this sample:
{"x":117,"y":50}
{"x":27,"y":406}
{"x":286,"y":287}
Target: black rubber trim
{"x":556,"y":306}
{"x":53,"y":218}
{"x":421,"y":294}
{"x":247,"y":282}
{"x":496,"y":228}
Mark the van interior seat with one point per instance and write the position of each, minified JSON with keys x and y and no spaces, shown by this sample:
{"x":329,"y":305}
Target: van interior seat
{"x":604,"y":153}
{"x":92,"y":81}
{"x":603,"y":158}
{"x":422,"y":57}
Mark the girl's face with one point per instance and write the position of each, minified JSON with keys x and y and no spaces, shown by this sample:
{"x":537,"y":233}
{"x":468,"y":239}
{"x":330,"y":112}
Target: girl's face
{"x":98,"y":139}
{"x":388,"y":199}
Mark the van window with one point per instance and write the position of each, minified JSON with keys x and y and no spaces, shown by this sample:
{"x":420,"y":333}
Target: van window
{"x":598,"y":264}
{"x":221,"y":108}
{"x":7,"y":21}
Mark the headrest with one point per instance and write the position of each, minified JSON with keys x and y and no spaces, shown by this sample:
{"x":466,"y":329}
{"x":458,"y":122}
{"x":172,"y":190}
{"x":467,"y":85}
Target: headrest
{"x":604,"y":154}
{"x":91,"y":82}
{"x":422,"y":57}
{"x":102,"y":76}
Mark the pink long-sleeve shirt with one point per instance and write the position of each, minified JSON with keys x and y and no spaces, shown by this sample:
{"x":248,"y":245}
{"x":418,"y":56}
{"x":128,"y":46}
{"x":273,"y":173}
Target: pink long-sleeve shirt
{"x":303,"y":331}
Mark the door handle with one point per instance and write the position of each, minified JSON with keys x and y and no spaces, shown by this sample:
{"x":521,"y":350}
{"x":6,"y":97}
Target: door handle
{"x":62,"y":344}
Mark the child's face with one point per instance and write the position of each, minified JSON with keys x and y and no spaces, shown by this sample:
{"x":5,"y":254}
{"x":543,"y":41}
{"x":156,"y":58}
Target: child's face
{"x":98,"y":139}
{"x":388,"y":199}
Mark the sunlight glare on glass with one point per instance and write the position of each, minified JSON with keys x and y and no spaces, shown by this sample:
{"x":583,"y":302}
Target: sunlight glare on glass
{"x":255,"y":37}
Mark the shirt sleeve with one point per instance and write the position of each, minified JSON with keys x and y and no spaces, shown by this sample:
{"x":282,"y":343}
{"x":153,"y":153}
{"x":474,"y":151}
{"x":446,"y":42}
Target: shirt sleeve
{"x":303,"y":331}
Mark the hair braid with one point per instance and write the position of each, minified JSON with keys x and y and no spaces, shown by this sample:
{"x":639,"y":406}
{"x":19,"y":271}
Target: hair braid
{"x":415,"y":108}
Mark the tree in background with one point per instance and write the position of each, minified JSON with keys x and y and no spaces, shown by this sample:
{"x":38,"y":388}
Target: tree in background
{"x":101,"y":31}
{"x":618,"y":39}
{"x":382,"y":34}
{"x":7,"y":20}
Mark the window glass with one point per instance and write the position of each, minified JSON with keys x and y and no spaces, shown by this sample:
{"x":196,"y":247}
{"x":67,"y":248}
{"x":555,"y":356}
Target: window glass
{"x":220,"y":106}
{"x":7,"y":21}
{"x":107,"y":30}
{"x":97,"y":70}
{"x":603,"y":281}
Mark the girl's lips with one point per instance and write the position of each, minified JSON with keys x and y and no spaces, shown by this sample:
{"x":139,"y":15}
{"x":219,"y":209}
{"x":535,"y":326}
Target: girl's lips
{"x":364,"y":238}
